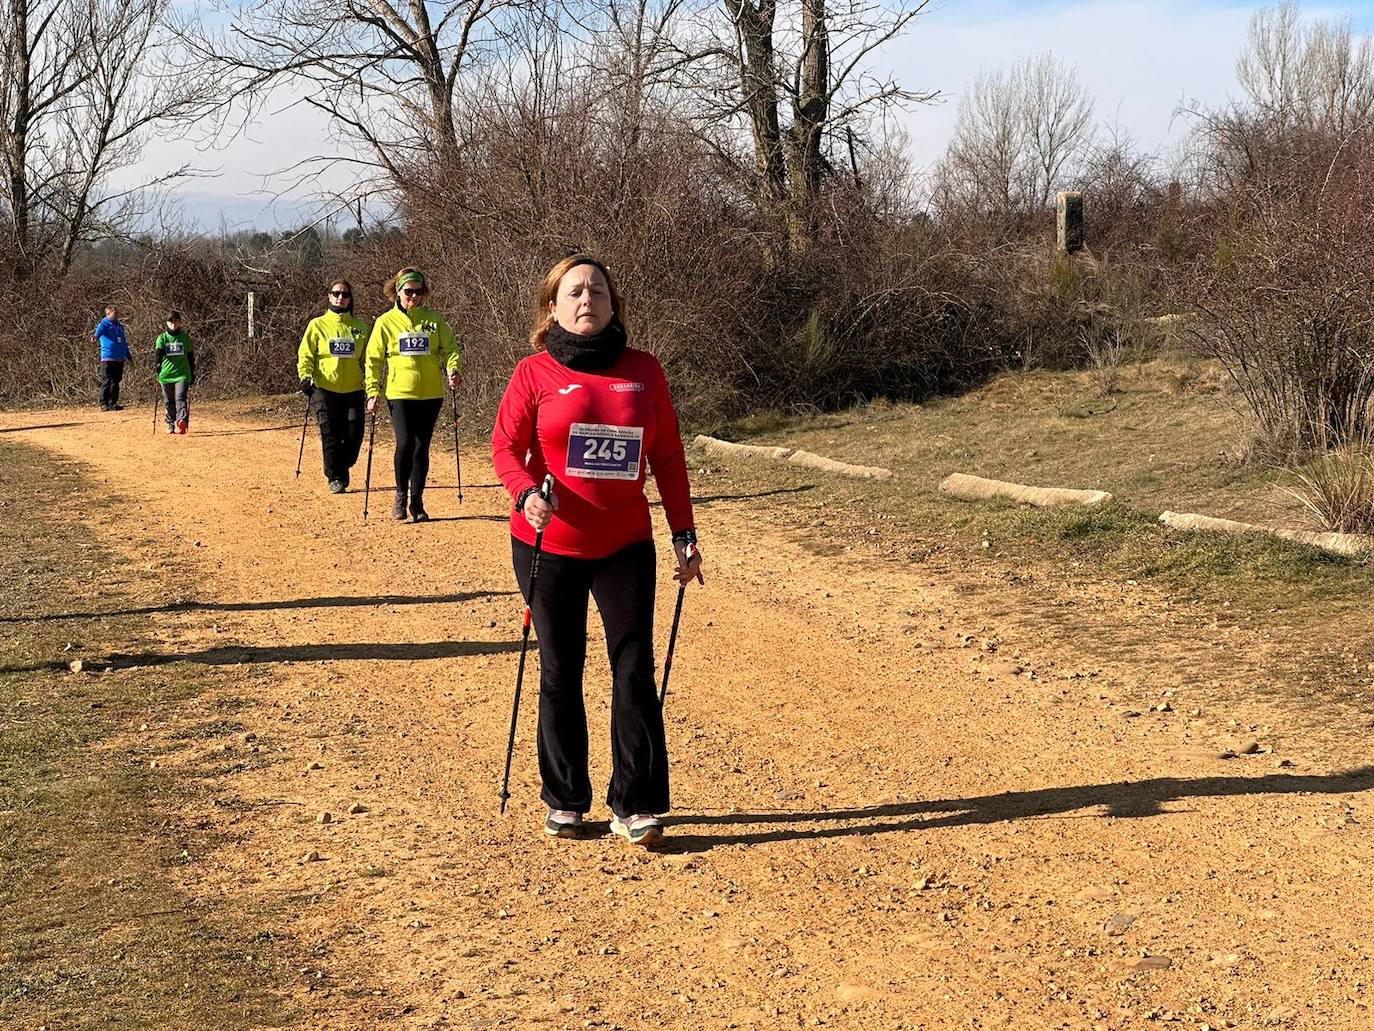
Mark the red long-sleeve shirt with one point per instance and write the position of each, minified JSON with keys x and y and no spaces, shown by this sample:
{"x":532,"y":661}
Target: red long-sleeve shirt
{"x":595,"y":431}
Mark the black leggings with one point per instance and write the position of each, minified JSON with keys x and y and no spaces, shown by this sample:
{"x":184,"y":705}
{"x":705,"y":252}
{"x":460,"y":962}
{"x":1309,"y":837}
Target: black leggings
{"x":341,"y":418}
{"x":414,"y":424}
{"x":623,"y":586}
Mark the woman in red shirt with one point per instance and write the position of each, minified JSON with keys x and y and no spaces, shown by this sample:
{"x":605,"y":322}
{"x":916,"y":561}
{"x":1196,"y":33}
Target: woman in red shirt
{"x":592,"y":411}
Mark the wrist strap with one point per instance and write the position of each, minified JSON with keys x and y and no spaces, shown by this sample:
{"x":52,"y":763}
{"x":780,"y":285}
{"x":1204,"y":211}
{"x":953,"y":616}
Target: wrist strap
{"x":524,"y":496}
{"x":688,"y":536}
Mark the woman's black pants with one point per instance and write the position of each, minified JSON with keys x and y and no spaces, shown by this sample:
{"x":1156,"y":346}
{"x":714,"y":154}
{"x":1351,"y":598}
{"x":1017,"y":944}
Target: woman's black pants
{"x":341,"y":418}
{"x":623,"y":586}
{"x":414,"y":422}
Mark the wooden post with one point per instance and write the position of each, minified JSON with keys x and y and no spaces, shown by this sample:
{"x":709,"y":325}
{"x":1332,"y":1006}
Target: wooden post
{"x":1070,"y":221}
{"x":250,"y":314}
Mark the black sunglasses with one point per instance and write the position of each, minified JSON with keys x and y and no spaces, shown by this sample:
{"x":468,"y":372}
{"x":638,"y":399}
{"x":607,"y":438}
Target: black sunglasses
{"x":412,"y":292}
{"x":339,"y":293}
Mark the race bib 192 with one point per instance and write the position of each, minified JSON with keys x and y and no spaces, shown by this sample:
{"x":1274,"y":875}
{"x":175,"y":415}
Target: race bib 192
{"x":413,"y":343}
{"x":342,"y":347}
{"x":598,"y":452}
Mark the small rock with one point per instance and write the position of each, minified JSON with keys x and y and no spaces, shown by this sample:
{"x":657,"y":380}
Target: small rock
{"x":1006,"y":669}
{"x":324,"y":818}
{"x":1248,"y":747}
{"x":356,"y":808}
{"x":852,"y":993}
{"x":143,"y":726}
{"x":788,"y":796}
{"x":315,"y":765}
{"x":311,"y":857}
{"x":1130,"y":714}
{"x":1152,"y":963}
{"x":76,"y":665}
{"x":1119,"y":923}
{"x":609,"y":950}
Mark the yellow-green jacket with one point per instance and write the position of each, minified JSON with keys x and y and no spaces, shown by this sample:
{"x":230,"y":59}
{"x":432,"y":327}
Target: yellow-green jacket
{"x":331,"y":352}
{"x":418,"y":347}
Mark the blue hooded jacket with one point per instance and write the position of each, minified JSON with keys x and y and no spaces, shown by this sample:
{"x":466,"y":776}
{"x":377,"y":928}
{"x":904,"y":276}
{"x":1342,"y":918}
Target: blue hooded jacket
{"x":113,"y":346}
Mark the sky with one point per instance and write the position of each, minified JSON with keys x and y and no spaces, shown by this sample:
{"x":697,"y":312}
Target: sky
{"x":1140,"y":59}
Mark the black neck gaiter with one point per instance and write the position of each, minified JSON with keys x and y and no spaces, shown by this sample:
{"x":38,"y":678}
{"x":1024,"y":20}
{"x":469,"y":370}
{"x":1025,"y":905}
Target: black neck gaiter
{"x":588,"y":353}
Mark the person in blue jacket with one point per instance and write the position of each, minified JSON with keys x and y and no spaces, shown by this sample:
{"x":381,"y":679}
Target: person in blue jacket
{"x":114,"y":352}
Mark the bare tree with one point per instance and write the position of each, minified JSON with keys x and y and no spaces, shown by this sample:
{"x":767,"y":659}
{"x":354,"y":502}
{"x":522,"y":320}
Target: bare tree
{"x":38,"y":77}
{"x":798,"y":75}
{"x":1021,"y":133}
{"x":85,"y":85}
{"x":386,"y":72}
{"x":1313,"y":75}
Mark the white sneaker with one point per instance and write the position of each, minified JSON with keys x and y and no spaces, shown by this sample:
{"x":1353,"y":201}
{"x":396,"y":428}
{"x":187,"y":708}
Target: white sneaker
{"x":641,"y":829}
{"x":563,"y":823}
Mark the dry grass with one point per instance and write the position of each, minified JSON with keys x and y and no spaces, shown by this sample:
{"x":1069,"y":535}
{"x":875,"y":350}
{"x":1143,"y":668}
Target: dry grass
{"x":94,"y":930}
{"x":1338,"y":489}
{"x":1169,"y":439}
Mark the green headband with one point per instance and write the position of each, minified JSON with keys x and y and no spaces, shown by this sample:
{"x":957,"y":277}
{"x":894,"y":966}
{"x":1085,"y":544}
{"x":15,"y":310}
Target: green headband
{"x":411,"y":277}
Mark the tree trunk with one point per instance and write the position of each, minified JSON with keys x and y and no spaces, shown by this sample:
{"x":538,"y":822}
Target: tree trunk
{"x":811,"y":111}
{"x":17,"y":156}
{"x":754,"y":26}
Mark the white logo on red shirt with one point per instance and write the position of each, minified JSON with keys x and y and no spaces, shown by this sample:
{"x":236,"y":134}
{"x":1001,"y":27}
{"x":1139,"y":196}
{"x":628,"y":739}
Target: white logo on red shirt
{"x":570,"y":388}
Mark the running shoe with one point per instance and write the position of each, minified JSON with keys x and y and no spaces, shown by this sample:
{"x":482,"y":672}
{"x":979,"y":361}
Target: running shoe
{"x":640,"y":829}
{"x":336,"y":486}
{"x":181,"y":425}
{"x":562,"y":823}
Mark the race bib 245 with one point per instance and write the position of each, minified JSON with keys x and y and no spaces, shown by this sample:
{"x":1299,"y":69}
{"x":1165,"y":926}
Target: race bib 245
{"x":600,"y":452}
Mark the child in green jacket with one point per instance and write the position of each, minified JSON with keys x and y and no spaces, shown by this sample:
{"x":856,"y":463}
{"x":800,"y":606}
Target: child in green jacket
{"x":176,"y":372}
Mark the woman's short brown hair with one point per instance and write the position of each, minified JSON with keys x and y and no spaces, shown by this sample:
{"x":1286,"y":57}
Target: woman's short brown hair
{"x":548,"y":292}
{"x":390,"y":288}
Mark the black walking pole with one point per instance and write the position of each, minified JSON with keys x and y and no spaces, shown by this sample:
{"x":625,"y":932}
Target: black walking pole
{"x":672,"y":636}
{"x":157,"y":396}
{"x":544,"y":493}
{"x":305,"y":422}
{"x":457,"y":457}
{"x":367,"y":481}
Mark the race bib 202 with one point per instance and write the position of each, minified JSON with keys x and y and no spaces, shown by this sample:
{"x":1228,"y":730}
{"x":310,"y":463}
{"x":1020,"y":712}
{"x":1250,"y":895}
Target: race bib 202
{"x":413,"y":343}
{"x":342,"y":347}
{"x":599,"y":452}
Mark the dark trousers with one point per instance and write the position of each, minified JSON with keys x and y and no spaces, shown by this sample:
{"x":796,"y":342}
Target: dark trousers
{"x":623,"y":586}
{"x":176,"y":403}
{"x":111,"y":375}
{"x":413,"y":422}
{"x":341,"y":420}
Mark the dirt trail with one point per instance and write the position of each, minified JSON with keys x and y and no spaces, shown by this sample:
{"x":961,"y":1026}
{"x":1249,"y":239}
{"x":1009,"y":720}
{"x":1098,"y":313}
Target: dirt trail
{"x":877,"y":822}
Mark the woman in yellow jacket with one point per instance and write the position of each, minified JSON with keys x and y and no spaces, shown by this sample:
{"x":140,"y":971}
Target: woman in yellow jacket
{"x":418,"y":349}
{"x":330,"y":362}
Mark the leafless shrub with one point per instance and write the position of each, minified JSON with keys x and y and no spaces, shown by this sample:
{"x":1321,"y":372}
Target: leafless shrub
{"x":1106,"y":350}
